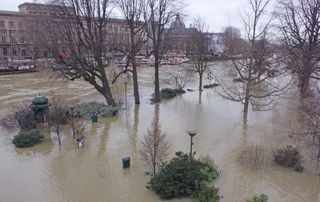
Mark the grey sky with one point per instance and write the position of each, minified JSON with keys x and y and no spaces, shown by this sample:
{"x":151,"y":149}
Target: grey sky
{"x":217,"y":13}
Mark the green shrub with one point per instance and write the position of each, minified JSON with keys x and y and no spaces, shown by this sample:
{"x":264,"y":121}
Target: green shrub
{"x":288,"y":157}
{"x":261,"y":198}
{"x":182,"y":177}
{"x":27,"y":139}
{"x":168,"y":93}
{"x":211,"y":85}
{"x":207,"y":194}
{"x":89,"y":109}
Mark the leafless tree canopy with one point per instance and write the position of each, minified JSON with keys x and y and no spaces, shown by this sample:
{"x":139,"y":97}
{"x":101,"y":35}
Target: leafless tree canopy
{"x":299,"y":22}
{"x":200,"y":42}
{"x":312,"y":113}
{"x":154,"y":146}
{"x":158,"y":14}
{"x":179,"y":80}
{"x":132,"y":11}
{"x":256,"y":74}
{"x":81,"y":46}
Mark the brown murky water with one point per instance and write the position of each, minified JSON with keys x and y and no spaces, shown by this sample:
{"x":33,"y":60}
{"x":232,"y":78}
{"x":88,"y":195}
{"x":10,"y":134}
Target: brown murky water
{"x":94,"y":173}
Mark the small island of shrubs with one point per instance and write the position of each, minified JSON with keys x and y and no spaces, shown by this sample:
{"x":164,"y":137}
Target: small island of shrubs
{"x":185,"y":177}
{"x":168,"y":93}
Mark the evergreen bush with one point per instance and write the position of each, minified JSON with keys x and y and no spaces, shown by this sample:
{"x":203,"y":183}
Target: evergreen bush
{"x":168,"y":93}
{"x":261,"y":198}
{"x":182,"y":177}
{"x":288,"y":157}
{"x":27,"y":138}
{"x":89,"y":109}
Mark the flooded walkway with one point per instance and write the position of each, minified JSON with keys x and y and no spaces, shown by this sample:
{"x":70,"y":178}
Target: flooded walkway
{"x":94,"y":173}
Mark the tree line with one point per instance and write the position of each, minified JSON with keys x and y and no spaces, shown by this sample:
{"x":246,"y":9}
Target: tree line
{"x":259,"y":57}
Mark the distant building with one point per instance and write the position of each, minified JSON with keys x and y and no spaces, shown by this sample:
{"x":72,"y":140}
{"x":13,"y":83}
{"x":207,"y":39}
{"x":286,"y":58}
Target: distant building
{"x":179,"y":36}
{"x":17,"y":45}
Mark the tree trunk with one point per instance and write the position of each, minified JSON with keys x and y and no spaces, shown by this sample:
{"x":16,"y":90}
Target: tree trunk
{"x":200,"y":80}
{"x":107,"y":90}
{"x":135,"y":82}
{"x":108,"y":96}
{"x":134,"y":66}
{"x":58,"y":133}
{"x":318,"y":147}
{"x":304,"y":86}
{"x":156,"y":80}
{"x":246,"y":102}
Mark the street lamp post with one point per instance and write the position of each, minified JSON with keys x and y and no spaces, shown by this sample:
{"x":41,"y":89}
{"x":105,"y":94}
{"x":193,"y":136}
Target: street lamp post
{"x":72,"y":123}
{"x":191,"y":134}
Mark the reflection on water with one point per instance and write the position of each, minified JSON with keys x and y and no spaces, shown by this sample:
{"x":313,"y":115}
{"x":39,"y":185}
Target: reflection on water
{"x":94,"y":172}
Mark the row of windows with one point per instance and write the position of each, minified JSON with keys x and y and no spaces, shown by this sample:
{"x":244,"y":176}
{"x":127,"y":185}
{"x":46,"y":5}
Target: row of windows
{"x":14,"y":52}
{"x":11,"y":24}
{"x":115,"y":28}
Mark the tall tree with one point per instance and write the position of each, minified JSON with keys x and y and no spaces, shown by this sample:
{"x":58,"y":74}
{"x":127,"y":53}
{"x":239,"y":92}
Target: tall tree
{"x":81,"y":28}
{"x":254,"y":73}
{"x":158,"y":14}
{"x":200,"y":42}
{"x":299,"y":22}
{"x":132,"y":11}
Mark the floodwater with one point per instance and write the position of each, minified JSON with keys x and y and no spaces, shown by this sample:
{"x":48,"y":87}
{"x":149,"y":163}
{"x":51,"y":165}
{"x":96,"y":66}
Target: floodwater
{"x":94,"y":173}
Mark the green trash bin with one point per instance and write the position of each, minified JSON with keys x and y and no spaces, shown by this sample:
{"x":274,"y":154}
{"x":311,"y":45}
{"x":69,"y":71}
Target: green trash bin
{"x":94,"y":118}
{"x":126,"y":162}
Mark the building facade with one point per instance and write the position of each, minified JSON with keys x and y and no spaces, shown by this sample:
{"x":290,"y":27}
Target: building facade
{"x":19,"y":43}
{"x":178,"y":38}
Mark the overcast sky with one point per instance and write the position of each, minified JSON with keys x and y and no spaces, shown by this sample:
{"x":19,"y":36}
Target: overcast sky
{"x":217,"y":13}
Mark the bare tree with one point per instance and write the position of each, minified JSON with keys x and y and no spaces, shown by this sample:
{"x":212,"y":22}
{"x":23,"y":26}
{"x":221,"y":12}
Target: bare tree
{"x":80,"y":26}
{"x":132,"y":11}
{"x":57,"y":114}
{"x":200,"y":48}
{"x":231,"y":40}
{"x":154,"y":146}
{"x":179,"y":80}
{"x":313,"y":119}
{"x":256,"y":72}
{"x":299,"y":22}
{"x":158,"y":14}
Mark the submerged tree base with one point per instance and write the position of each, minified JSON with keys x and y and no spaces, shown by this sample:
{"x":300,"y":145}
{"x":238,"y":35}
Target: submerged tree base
{"x":211,"y":85}
{"x":168,"y":93}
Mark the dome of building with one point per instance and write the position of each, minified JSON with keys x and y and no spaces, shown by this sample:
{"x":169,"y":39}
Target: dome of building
{"x":177,"y":23}
{"x":40,"y":102}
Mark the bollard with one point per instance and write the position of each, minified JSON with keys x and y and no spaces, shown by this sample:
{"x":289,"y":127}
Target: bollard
{"x":126,"y":162}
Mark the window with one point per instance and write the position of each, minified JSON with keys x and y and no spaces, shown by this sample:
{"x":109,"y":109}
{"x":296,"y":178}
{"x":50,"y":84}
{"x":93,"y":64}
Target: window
{"x":13,"y":37}
{"x":115,"y":29}
{"x":14,"y":51}
{"x":20,"y":24}
{"x":11,"y":23}
{"x":22,"y":39}
{"x":2,"y":24}
{"x":2,"y":37}
{"x":23,"y":52}
{"x":5,"y":51}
